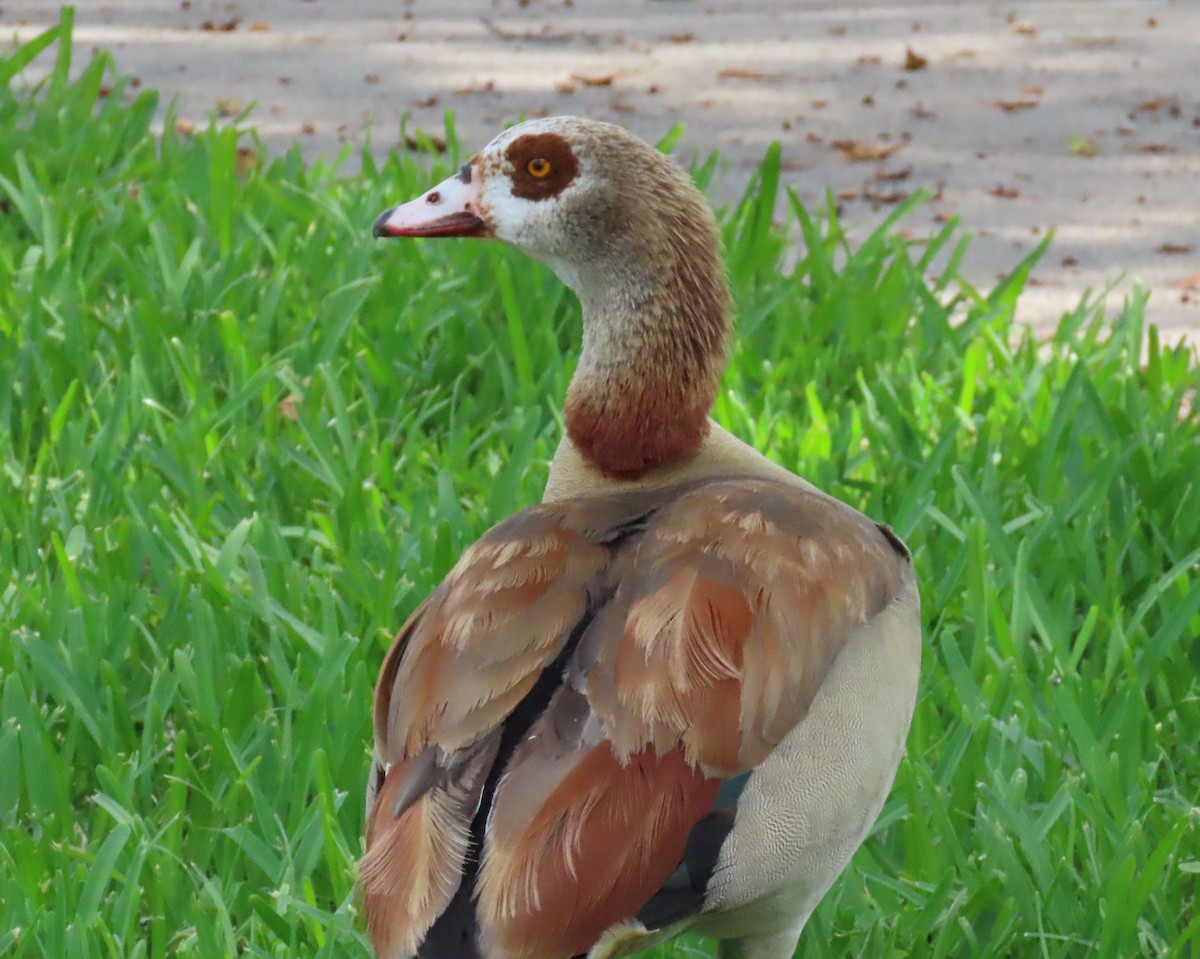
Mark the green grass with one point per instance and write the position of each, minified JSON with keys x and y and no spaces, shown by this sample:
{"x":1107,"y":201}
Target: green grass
{"x":240,"y":440}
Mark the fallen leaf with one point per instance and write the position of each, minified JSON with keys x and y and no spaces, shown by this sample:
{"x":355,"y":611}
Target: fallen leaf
{"x":605,"y":80}
{"x":287,"y":406}
{"x":914,"y":60}
{"x":1190,"y":283}
{"x":858,"y":151}
{"x":745,"y":73}
{"x":893,"y":176}
{"x":229,"y":106}
{"x":620,"y":106}
{"x":1154,"y":104}
{"x":1004,"y":192}
{"x":1170,"y":248}
{"x":1157,"y":149}
{"x":221,"y":26}
{"x":259,"y":26}
{"x":429,"y":101}
{"x":431,"y":140}
{"x":308,"y":129}
{"x":1033,"y":90}
{"x":1012,"y":106}
{"x":371,"y":78}
{"x":888,"y":198}
{"x":837,"y":31}
{"x":685,"y":37}
{"x":1070,"y":261}
{"x":247,"y":160}
{"x":1024,"y":28}
{"x":869,"y":59}
{"x":921,"y":112}
{"x":1093,"y":43}
{"x":847,"y":195}
{"x":564,"y":86}
{"x":1082,"y":146}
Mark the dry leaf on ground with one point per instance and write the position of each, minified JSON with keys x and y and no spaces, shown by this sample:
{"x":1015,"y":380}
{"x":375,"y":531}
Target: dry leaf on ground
{"x":604,"y":80}
{"x":1174,"y":248}
{"x":745,"y":73}
{"x":247,"y":159}
{"x":887,"y":198}
{"x":914,"y":60}
{"x":1013,"y":106}
{"x":859,"y":151}
{"x":1082,"y":146}
{"x":431,"y":140}
{"x":1153,"y":105}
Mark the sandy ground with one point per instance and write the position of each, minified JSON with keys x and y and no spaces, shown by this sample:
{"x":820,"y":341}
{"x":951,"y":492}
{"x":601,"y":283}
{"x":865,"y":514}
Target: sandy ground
{"x":1081,"y":116}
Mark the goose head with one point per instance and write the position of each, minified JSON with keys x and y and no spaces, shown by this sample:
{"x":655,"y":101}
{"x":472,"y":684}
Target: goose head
{"x":624,"y":227}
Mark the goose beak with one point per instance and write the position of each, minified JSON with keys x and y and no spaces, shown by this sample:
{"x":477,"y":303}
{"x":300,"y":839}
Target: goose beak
{"x":450,"y":209}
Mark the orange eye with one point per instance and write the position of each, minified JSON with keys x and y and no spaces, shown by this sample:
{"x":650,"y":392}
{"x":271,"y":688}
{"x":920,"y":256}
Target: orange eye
{"x":539,"y":167}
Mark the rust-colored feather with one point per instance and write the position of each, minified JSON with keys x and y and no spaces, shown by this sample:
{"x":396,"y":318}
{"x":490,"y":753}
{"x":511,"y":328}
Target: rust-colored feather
{"x":564,"y":865}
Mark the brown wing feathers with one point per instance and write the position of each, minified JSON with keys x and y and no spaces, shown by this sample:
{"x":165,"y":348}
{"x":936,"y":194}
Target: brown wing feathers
{"x":706,"y":618}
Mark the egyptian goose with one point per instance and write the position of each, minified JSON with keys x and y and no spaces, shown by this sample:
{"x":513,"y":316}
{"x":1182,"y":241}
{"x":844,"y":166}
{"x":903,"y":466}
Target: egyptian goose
{"x":674,"y":694}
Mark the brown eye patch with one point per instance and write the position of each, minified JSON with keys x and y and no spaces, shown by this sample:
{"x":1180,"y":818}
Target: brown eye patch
{"x":533,"y":151}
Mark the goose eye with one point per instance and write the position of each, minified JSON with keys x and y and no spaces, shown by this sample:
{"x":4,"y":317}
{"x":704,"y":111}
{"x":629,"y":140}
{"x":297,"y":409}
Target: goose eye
{"x":539,"y":167}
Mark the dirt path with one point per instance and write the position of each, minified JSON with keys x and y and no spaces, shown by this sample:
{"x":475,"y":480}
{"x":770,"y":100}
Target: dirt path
{"x":1078,"y":115}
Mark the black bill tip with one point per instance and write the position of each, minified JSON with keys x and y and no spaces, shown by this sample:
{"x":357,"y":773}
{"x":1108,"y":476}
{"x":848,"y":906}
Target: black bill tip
{"x":380,"y":227}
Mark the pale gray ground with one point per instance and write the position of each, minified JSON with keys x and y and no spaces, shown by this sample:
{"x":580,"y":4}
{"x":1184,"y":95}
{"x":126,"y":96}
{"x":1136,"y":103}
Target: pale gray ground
{"x":1081,"y":116}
